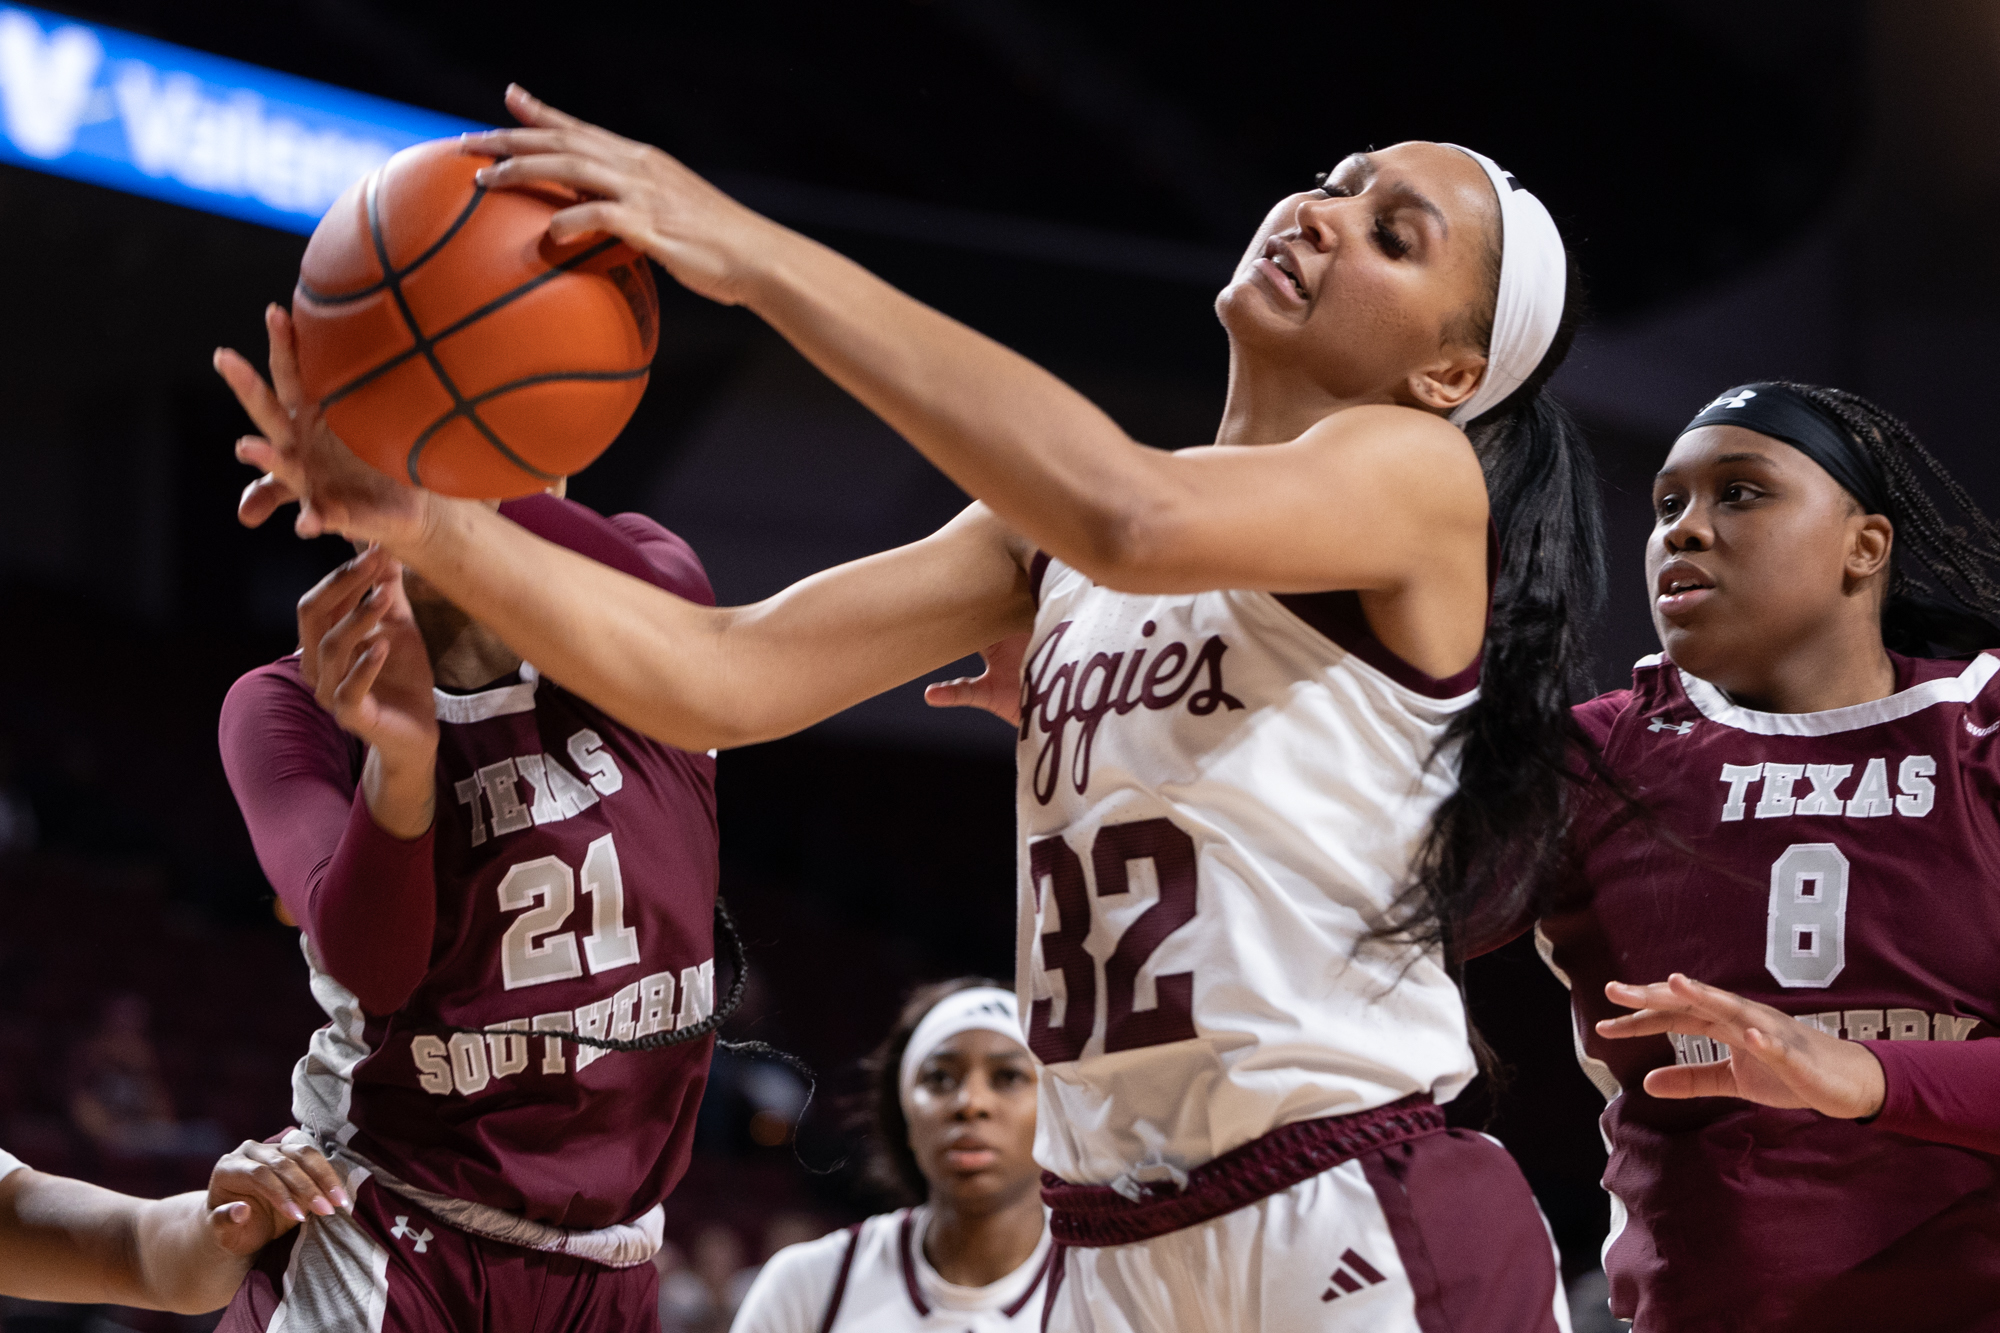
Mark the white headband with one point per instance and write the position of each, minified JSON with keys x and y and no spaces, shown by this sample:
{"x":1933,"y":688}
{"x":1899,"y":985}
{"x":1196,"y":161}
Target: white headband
{"x":1534,"y":277}
{"x":981,"y":1007}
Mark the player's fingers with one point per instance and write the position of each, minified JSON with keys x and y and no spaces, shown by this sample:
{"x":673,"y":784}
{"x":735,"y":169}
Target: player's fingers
{"x":334,"y":597}
{"x":284,"y":357}
{"x":323,"y":1173}
{"x":521,"y":142}
{"x":951,"y":693}
{"x":1714,"y":1003}
{"x":1705,"y":1080}
{"x":532,"y":110}
{"x":601,"y":216}
{"x":360,"y":677}
{"x":253,"y":393}
{"x":261,"y":499}
{"x":343,"y":645}
{"x":576,"y":170}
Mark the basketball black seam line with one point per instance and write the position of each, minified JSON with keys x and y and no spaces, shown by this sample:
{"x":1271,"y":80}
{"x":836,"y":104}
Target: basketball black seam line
{"x":370,"y":376}
{"x":527,"y":381}
{"x":427,"y":345}
{"x":465,"y":215}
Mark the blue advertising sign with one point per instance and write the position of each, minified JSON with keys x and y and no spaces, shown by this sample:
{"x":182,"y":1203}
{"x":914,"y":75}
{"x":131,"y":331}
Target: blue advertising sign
{"x":105,"y":106}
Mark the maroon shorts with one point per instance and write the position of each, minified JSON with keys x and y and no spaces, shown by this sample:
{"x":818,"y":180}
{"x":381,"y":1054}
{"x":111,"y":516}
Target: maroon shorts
{"x":1383,"y":1222}
{"x":394,"y":1268}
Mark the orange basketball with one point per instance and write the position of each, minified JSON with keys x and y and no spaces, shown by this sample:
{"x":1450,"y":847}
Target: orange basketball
{"x":453,"y":345}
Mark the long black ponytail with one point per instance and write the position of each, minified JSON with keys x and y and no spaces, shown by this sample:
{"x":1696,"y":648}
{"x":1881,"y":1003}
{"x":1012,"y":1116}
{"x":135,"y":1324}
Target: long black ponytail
{"x":1487,"y":862}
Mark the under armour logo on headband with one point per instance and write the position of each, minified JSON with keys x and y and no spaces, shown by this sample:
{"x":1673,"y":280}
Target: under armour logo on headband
{"x":1737,"y":399}
{"x":1511,"y":181}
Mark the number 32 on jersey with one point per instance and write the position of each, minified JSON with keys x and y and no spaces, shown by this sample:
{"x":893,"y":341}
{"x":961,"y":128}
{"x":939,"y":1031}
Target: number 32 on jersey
{"x":1070,"y":969}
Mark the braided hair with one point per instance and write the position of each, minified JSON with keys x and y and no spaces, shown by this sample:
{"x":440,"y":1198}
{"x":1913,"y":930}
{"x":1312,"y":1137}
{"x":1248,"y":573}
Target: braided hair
{"x":1944,"y":584}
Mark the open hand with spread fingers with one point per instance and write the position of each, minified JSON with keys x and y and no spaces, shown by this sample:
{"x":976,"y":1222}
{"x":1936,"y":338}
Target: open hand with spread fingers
{"x":1774,"y":1059}
{"x":711,"y":244}
{"x":303,"y":460}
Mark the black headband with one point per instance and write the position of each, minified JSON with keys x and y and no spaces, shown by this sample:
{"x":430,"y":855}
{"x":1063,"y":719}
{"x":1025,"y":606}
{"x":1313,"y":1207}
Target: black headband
{"x":1788,"y":415}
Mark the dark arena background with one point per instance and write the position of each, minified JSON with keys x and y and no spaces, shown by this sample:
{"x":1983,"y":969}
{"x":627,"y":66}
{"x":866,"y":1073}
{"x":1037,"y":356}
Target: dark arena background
{"x":1756,"y":190}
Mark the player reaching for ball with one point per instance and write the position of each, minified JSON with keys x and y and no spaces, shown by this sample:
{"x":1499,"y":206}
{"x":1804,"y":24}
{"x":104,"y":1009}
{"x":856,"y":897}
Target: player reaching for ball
{"x":468,"y":845}
{"x":1804,"y":1115}
{"x":1274,"y":765}
{"x":65,"y":1240}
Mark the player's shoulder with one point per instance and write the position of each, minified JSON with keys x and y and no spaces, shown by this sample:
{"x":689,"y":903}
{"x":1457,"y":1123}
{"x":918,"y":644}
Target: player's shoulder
{"x":630,"y":543}
{"x":279,"y":684}
{"x":795,"y":1284}
{"x":1654,"y":695}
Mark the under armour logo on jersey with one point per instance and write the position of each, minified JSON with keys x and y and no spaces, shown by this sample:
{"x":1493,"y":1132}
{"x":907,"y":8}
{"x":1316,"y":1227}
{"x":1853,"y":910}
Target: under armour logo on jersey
{"x":403,"y":1228}
{"x":1347,"y":1281}
{"x":1980,"y":732}
{"x":1678,"y":728}
{"x":1737,"y":399}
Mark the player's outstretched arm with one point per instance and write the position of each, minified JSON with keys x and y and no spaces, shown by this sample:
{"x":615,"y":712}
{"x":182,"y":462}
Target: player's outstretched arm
{"x":1368,"y":499}
{"x":65,"y":1240}
{"x":696,"y":677}
{"x":1773,"y":1058}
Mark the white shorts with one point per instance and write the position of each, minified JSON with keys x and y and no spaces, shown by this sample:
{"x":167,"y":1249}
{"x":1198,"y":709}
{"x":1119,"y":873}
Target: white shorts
{"x":1437,"y":1235}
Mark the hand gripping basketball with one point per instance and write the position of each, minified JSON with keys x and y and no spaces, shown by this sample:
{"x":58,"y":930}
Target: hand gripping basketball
{"x":711,"y":244}
{"x":303,"y":460}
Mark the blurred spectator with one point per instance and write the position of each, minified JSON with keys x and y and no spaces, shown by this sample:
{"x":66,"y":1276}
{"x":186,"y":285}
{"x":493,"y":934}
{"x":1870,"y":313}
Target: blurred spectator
{"x":685,"y":1306}
{"x":718,"y":1262}
{"x":118,"y":1097}
{"x":19,"y":830}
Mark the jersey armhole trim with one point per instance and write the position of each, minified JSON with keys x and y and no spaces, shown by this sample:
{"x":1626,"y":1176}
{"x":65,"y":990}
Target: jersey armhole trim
{"x":1040,"y":1274}
{"x":840,"y":1279}
{"x":1339,"y":616}
{"x":903,"y":1233}
{"x":1038,"y":569}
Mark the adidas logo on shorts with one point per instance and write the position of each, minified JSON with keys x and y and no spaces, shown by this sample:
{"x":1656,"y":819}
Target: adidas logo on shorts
{"x":1345,"y":1277}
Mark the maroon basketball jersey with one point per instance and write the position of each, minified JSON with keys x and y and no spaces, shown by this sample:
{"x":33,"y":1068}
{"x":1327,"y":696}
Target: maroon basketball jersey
{"x":1842,"y":867}
{"x":575,"y":873}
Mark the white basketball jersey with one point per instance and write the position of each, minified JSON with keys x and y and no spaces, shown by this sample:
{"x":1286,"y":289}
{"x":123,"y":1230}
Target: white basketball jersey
{"x":1218,"y":802}
{"x":874,"y":1278}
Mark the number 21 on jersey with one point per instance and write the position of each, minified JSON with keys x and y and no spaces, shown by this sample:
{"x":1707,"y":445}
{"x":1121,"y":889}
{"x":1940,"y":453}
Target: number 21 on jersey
{"x":535,"y":948}
{"x":1062,"y":891}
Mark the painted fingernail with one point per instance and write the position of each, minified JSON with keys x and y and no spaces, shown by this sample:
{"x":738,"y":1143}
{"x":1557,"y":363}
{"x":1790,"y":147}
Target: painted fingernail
{"x":239,"y":1212}
{"x":322,"y":1207}
{"x":340,"y":1197}
{"x":292,"y":1211}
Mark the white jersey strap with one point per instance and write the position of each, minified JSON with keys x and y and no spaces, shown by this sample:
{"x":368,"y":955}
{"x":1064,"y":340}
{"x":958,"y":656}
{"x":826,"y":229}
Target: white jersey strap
{"x":840,"y":1279}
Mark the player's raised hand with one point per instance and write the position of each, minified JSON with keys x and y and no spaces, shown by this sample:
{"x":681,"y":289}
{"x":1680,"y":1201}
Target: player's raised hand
{"x":1774,"y":1059}
{"x":303,"y":460}
{"x":711,"y":244}
{"x":262,"y":1190}
{"x":360,"y":650}
{"x":996,"y":689}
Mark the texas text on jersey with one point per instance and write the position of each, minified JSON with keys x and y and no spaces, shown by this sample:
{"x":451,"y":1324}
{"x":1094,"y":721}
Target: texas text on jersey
{"x":1837,"y":866}
{"x":575,"y":873}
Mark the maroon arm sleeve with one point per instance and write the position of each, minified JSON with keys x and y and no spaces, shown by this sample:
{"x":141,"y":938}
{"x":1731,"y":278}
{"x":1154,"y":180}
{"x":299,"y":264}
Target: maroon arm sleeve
{"x":366,"y":900}
{"x":1944,"y":1091}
